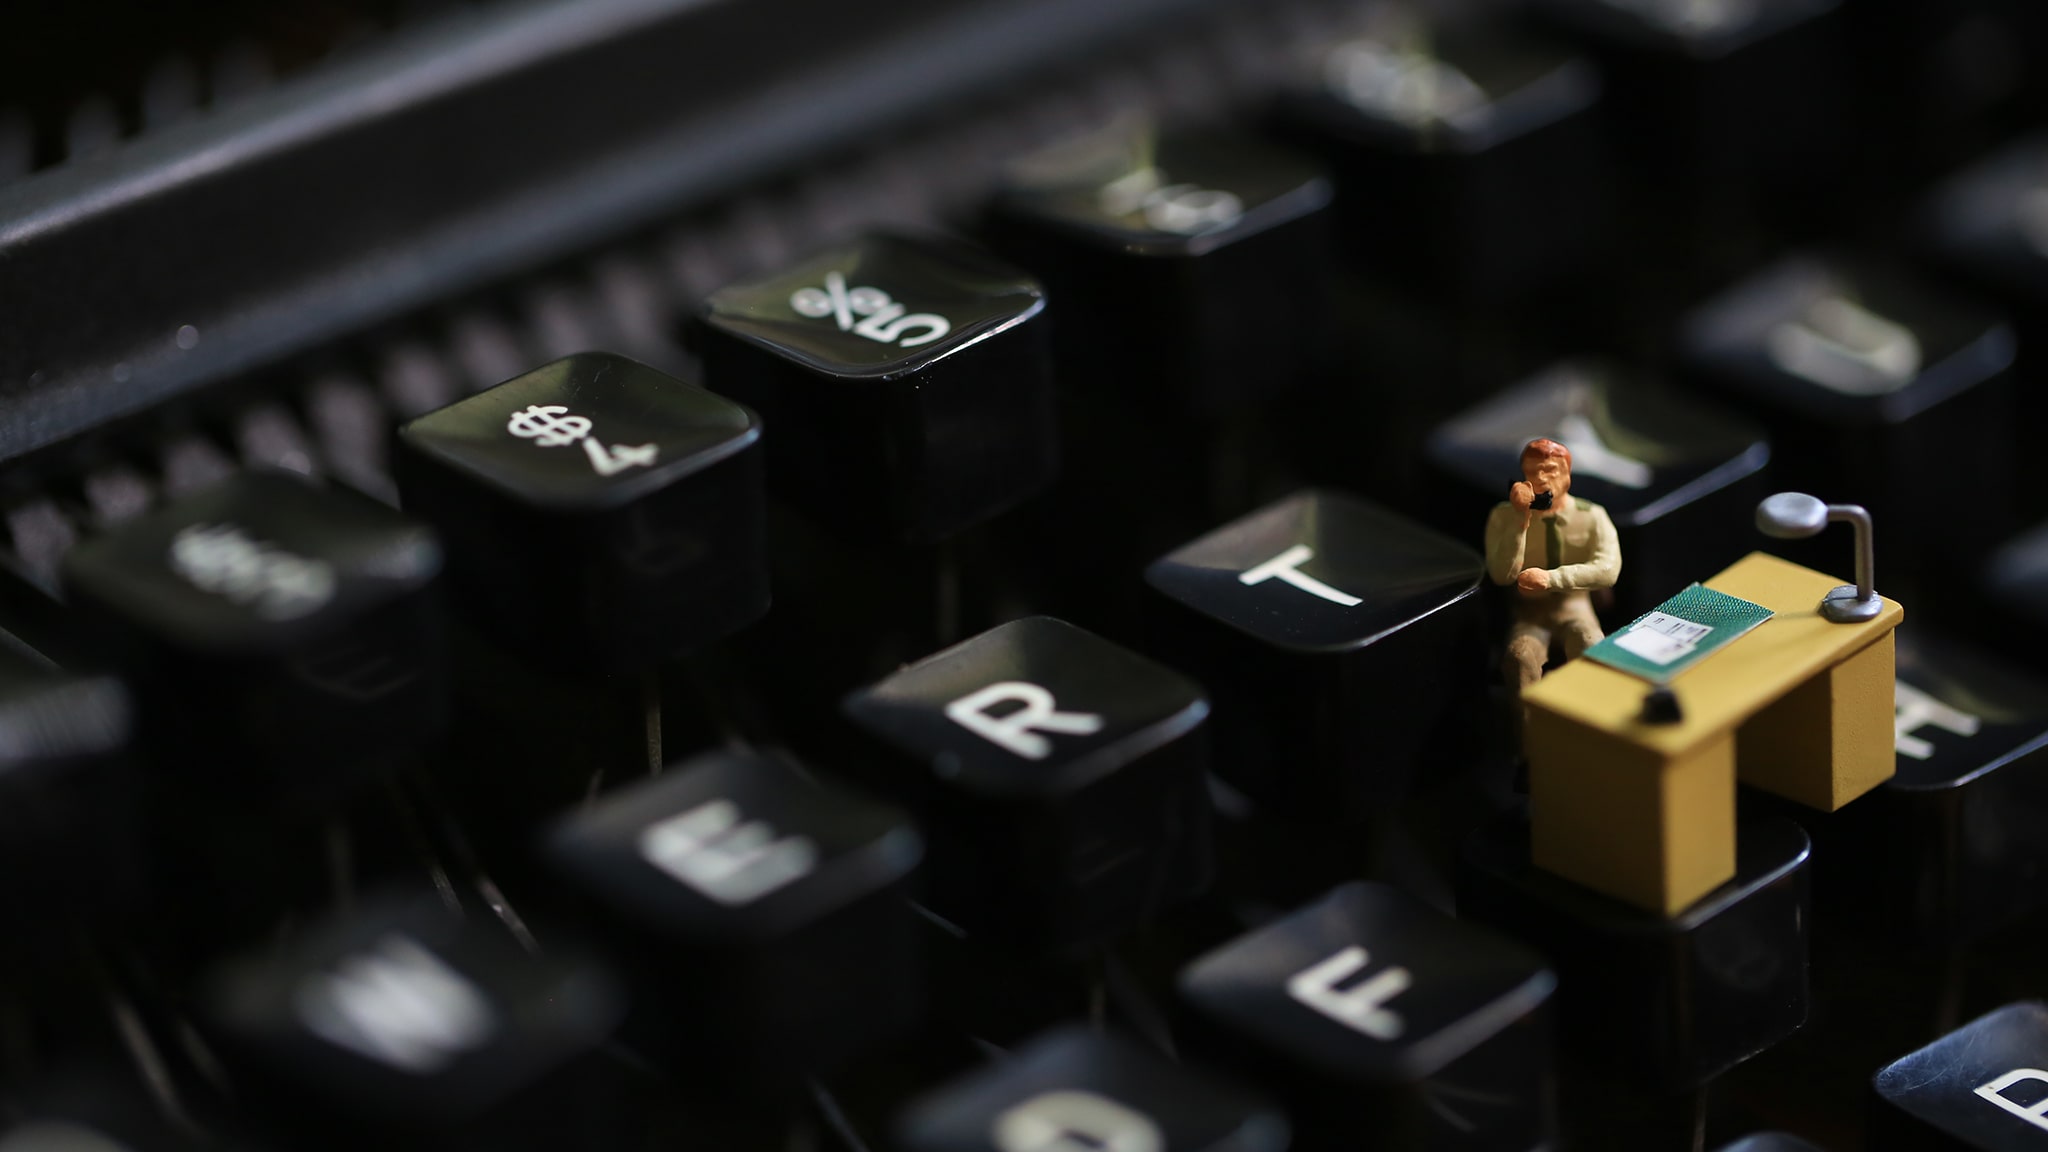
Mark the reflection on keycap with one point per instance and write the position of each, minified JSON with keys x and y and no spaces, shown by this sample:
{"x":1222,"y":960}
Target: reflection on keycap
{"x":1980,"y":1086}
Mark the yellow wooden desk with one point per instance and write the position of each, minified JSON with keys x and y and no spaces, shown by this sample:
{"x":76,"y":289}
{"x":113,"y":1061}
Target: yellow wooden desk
{"x":1800,"y":706}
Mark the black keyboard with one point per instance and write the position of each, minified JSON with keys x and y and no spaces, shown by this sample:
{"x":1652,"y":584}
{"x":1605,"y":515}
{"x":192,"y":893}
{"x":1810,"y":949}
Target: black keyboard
{"x":637,"y":574}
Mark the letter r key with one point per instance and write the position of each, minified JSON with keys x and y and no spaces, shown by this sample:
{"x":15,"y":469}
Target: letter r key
{"x":1050,"y":825}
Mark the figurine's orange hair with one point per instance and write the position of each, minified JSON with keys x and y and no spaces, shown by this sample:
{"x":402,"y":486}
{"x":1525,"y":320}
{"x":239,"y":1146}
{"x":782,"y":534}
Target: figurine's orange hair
{"x":1547,"y":447}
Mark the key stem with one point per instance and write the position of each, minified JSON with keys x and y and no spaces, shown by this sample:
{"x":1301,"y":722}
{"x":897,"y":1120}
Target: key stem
{"x":650,"y":703}
{"x":946,"y":593}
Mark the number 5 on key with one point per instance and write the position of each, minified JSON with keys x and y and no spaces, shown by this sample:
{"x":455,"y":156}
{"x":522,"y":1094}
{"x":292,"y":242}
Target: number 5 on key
{"x":888,"y":326}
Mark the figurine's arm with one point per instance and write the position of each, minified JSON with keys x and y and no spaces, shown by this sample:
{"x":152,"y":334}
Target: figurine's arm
{"x":1599,"y":572}
{"x":1507,"y":533}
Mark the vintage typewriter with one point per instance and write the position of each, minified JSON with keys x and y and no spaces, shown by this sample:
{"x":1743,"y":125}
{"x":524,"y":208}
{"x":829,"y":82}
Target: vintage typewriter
{"x":675,"y":574}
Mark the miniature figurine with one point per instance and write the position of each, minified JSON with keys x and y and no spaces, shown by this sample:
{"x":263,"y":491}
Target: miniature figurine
{"x":1555,"y":549}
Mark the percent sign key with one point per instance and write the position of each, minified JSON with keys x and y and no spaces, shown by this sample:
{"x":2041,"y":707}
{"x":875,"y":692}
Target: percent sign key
{"x":881,"y":305}
{"x":904,"y":380}
{"x":882,"y":319}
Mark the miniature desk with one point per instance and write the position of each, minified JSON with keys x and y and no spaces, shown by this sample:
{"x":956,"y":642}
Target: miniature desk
{"x":1800,"y":706}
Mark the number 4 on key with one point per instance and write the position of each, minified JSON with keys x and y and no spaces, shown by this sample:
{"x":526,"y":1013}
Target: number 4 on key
{"x":617,"y":458}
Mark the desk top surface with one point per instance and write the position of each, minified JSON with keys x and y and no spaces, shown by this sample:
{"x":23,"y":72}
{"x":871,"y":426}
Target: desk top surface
{"x":1734,"y":683}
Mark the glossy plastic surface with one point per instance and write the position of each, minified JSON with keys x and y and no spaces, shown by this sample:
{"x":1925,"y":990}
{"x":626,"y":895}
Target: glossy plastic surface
{"x":1060,"y":776}
{"x":1981,"y":224}
{"x":1704,"y":30}
{"x":1330,"y":632}
{"x":620,"y":504}
{"x":1137,"y":707}
{"x":905,"y":383}
{"x":1190,"y":271}
{"x":1731,"y":114}
{"x":1815,"y":346}
{"x":373,"y":555}
{"x":854,"y":849}
{"x":70,"y":809}
{"x":1665,"y":1002}
{"x":499,"y":439}
{"x":1397,"y":572}
{"x":1770,"y":1142}
{"x":1367,"y":1001}
{"x":275,"y":634}
{"x":800,"y":315}
{"x":405,"y":1014}
{"x":1142,"y":192}
{"x":1976,"y":1088}
{"x":1098,"y":1087}
{"x":1900,"y":347}
{"x":764,"y":914}
{"x":1469,"y":158}
{"x":1947,"y":850}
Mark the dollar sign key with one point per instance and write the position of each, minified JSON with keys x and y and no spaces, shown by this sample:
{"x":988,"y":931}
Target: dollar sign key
{"x":548,"y":425}
{"x":649,"y":540}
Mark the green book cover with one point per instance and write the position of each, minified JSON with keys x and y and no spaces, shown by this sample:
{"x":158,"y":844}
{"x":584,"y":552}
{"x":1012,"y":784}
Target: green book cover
{"x":1681,"y":632}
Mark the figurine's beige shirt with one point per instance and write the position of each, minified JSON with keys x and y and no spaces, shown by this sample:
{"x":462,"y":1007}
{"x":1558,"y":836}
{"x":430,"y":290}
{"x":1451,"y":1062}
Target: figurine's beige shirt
{"x":1591,"y":552}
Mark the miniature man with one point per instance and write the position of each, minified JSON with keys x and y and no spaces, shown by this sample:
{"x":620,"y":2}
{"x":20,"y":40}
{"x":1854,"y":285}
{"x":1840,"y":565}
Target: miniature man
{"x":1555,"y":549}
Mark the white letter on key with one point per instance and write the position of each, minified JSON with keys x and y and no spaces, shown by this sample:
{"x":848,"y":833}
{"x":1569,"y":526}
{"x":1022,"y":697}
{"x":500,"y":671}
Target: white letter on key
{"x":1915,"y":709}
{"x":2036,"y":1113}
{"x":1363,"y":1008}
{"x":398,"y":1004}
{"x":1286,"y":567}
{"x":1014,"y":730}
{"x":735,"y":861}
{"x":1592,"y":457}
{"x":1070,"y":1121}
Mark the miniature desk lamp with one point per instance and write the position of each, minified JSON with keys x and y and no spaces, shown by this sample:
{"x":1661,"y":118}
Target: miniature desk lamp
{"x":1795,"y":515}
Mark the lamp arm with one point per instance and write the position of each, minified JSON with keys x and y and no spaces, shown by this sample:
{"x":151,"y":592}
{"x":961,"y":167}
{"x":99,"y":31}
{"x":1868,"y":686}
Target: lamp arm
{"x":1866,"y":547}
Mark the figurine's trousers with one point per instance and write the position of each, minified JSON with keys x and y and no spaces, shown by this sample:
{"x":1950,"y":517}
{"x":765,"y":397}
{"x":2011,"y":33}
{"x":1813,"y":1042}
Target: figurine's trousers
{"x":1569,"y":618}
